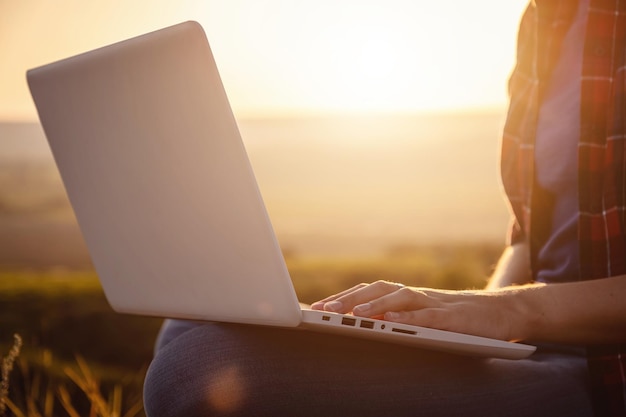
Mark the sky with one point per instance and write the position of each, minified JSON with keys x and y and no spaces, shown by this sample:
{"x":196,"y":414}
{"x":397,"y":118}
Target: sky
{"x":281,"y":57}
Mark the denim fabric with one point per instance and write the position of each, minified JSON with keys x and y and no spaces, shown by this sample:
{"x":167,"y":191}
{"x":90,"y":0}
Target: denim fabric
{"x":237,"y":370}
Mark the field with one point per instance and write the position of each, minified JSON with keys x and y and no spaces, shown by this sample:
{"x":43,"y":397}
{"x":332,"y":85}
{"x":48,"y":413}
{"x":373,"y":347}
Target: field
{"x":408,"y":198}
{"x":67,"y":326}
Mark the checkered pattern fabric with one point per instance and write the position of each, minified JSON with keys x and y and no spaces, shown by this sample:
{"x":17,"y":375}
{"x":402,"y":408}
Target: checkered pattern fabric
{"x":601,"y":154}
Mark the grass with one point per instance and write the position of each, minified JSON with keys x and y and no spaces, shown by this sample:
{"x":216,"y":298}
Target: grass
{"x":460,"y":266}
{"x":45,"y":396}
{"x":7,"y":367}
{"x":76,"y":351}
{"x":79,"y":358}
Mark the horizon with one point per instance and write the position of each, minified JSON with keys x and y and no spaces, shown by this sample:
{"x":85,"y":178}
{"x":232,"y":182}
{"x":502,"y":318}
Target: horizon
{"x":332,"y":186}
{"x":326,"y":114}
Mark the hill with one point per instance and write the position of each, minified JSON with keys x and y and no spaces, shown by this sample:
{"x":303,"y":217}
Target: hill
{"x":340,"y":185}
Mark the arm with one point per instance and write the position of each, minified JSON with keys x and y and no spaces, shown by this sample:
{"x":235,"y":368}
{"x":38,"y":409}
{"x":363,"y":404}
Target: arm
{"x":513,"y":268}
{"x":587,"y":312}
{"x":583,"y":312}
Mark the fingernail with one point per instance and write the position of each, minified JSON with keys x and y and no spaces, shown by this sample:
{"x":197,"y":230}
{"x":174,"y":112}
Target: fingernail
{"x":362,"y":308}
{"x":392,"y":315}
{"x":333,"y":306}
{"x":318,"y":305}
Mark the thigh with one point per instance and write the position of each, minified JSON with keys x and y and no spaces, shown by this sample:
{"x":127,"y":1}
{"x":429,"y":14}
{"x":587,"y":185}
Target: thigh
{"x":225,"y":369}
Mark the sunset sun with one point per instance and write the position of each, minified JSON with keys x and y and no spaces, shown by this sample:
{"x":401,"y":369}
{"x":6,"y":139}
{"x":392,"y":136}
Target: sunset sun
{"x":279,"y":57}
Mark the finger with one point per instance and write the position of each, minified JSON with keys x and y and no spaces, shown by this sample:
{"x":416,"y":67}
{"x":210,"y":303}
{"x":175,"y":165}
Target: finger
{"x":403,"y":299}
{"x":348,"y":301}
{"x":319,"y":305}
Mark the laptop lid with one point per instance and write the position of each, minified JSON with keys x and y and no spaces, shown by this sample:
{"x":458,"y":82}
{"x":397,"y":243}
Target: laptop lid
{"x":151,"y":157}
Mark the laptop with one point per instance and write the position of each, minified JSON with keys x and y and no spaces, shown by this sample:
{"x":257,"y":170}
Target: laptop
{"x":157,"y":174}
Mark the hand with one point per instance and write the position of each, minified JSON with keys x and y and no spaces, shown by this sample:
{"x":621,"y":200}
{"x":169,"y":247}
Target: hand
{"x":478,"y":312}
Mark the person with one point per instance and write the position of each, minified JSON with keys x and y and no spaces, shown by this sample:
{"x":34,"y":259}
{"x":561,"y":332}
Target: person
{"x":560,"y":283}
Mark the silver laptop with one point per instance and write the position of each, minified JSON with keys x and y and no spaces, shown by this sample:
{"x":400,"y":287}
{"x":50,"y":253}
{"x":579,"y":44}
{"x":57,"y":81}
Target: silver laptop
{"x":151,"y":157}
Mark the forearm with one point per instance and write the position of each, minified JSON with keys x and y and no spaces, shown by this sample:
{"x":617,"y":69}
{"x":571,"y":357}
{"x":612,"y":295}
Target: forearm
{"x":513,"y":268}
{"x":586,"y":312}
{"x":582,"y":313}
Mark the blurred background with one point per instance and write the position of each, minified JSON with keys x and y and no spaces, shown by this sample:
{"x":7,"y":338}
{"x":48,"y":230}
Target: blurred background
{"x":373,"y":128}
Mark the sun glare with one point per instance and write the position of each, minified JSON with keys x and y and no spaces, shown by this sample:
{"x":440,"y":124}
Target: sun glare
{"x":279,"y":56}
{"x":368,"y":55}
{"x":365,"y":71}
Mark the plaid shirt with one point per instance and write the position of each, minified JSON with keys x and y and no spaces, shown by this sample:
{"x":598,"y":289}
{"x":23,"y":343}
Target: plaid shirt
{"x":601,"y":154}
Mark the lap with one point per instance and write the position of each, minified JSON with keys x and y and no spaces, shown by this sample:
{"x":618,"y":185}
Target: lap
{"x":227,"y":369}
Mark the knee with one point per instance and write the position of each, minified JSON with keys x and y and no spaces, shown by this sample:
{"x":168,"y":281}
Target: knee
{"x":166,"y":392}
{"x":197,"y":374}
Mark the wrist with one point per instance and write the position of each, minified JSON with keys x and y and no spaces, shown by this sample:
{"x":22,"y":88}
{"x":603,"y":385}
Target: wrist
{"x":527,"y":311}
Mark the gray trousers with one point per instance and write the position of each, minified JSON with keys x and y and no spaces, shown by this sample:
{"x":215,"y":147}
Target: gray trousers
{"x":213,"y":369}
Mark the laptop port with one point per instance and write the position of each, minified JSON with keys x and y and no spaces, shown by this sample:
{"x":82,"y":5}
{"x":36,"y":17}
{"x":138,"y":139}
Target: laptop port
{"x":347,"y":321}
{"x":326,"y":318}
{"x":395,"y":329}
{"x":367,"y":324}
